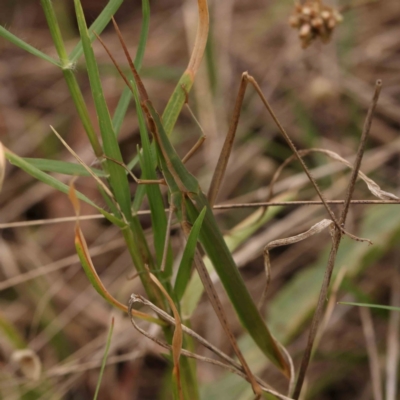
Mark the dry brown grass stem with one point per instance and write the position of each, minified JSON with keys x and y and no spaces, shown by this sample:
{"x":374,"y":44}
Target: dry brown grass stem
{"x":335,"y":246}
{"x":49,"y":221}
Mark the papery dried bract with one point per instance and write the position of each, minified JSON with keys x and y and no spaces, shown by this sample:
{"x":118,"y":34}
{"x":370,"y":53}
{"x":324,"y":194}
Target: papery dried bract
{"x":28,"y":363}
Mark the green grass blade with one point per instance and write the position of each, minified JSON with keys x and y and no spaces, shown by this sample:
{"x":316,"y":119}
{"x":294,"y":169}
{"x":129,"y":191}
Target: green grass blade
{"x":185,"y":83}
{"x":222,"y":260}
{"x":4,"y":33}
{"x":43,"y":177}
{"x":131,"y":164}
{"x":55,"y":32}
{"x":67,"y":68}
{"x":126,"y":96}
{"x":56,"y":184}
{"x":62,"y":167}
{"x":82,"y":110}
{"x":391,"y":308}
{"x":98,"y":26}
{"x":144,"y":33}
{"x":117,"y":178}
{"x":156,"y":203}
{"x":185,"y":265}
{"x":233,"y":240}
{"x":292,"y":306}
{"x":176,"y":102}
{"x":134,"y":237}
{"x":121,"y":109}
{"x":103,"y":364}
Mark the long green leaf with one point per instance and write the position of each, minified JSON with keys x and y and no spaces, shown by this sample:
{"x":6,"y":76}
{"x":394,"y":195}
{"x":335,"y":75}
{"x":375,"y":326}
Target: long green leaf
{"x":117,"y":176}
{"x":61,"y":167}
{"x":43,"y":177}
{"x":135,"y":238}
{"x":182,"y":279}
{"x":27,"y":47}
{"x":156,"y":203}
{"x":233,"y":240}
{"x":67,"y":69}
{"x":293,"y":305}
{"x":55,"y":183}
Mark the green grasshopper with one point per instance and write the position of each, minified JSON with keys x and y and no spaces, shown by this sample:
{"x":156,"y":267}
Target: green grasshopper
{"x":188,"y":201}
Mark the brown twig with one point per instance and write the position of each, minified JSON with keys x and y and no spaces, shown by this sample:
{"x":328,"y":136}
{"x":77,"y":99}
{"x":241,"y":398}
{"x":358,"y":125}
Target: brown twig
{"x":335,"y":246}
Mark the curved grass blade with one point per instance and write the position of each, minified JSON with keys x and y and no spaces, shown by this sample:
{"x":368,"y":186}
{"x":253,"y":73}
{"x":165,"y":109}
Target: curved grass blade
{"x":88,"y":266}
{"x":178,"y":97}
{"x":117,"y":178}
{"x":56,"y":184}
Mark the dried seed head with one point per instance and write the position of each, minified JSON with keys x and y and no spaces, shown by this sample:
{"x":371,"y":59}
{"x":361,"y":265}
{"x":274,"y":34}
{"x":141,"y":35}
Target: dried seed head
{"x":325,"y":14}
{"x":294,"y":21}
{"x":317,"y":22}
{"x":331,"y":23}
{"x":305,"y":31}
{"x":338,"y":16}
{"x":313,"y":19}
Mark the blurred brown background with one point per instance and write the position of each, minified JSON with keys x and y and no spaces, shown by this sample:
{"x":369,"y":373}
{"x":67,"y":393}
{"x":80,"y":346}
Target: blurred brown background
{"x":320,"y":94}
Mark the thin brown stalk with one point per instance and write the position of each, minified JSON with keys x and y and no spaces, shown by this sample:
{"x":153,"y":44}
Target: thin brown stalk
{"x":290,"y":143}
{"x":227,"y":147}
{"x":229,"y":364}
{"x":219,"y":311}
{"x":22,"y":224}
{"x":335,"y":246}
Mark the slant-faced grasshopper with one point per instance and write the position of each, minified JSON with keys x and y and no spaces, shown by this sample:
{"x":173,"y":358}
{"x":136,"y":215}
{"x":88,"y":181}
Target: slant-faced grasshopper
{"x":188,"y":201}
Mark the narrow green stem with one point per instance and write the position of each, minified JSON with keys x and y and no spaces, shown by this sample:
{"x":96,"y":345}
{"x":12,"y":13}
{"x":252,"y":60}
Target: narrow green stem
{"x":82,"y":110}
{"x":55,"y":32}
{"x":67,"y":68}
